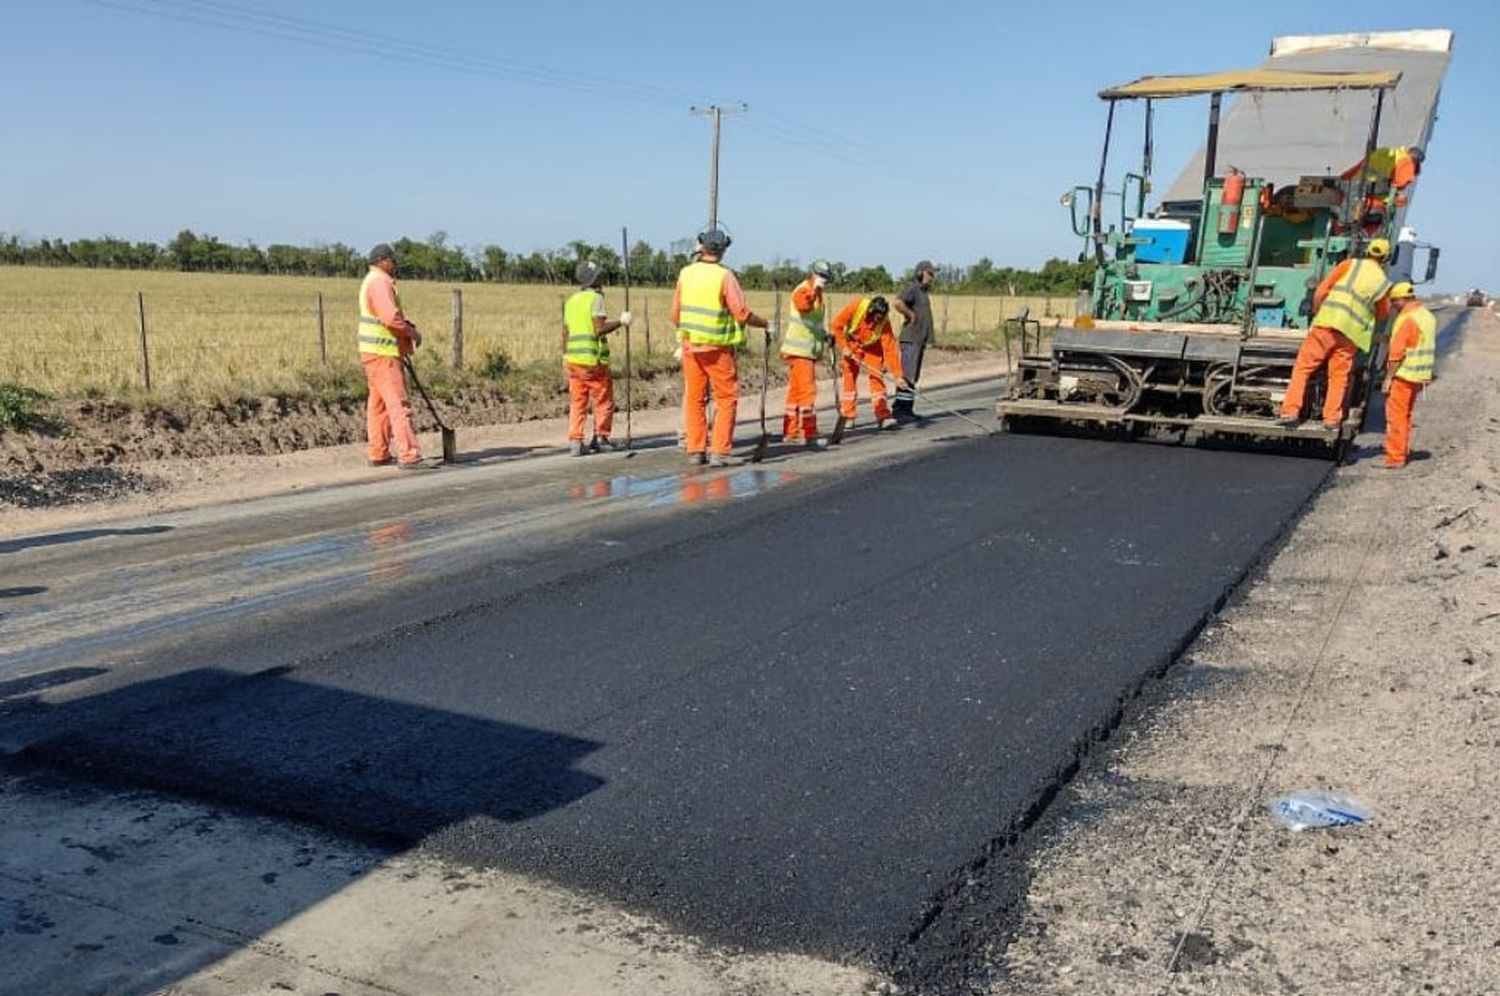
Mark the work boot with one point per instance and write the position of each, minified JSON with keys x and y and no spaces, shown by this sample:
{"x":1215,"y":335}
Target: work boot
{"x":697,"y":459}
{"x":815,"y":444}
{"x":575,"y":447}
{"x":378,"y":463}
{"x":1289,"y":421}
{"x":723,"y":460}
{"x":414,"y":465}
{"x":603,"y":444}
{"x":888,"y":423}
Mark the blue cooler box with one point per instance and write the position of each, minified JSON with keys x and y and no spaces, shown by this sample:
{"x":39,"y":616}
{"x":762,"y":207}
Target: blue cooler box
{"x":1169,"y":240}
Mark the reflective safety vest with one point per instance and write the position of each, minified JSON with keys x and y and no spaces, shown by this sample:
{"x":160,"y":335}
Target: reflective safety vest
{"x":1416,"y":365}
{"x":872,"y":335}
{"x":1350,"y":305}
{"x":805,"y":334}
{"x":585,"y":346}
{"x":374,"y":338}
{"x":703,"y":319}
{"x":1382,"y":162}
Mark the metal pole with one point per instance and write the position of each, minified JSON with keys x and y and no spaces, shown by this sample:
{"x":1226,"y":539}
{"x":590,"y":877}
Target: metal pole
{"x":1098,"y":211}
{"x":140,"y":309}
{"x":1211,"y":150}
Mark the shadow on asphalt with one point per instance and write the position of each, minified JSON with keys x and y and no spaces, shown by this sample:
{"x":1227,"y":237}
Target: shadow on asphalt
{"x":76,"y":536}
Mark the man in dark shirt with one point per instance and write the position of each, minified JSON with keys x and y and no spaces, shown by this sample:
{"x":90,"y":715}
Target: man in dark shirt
{"x":915,"y":306}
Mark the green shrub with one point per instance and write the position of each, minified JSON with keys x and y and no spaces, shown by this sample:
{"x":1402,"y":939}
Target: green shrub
{"x":496,"y":364}
{"x":19,"y":407}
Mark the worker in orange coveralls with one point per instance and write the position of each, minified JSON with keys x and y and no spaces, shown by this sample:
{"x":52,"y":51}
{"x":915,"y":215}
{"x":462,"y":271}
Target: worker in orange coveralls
{"x":585,"y":346}
{"x":385,"y":336}
{"x":1389,"y":171}
{"x":1347,"y":305}
{"x":710,"y":313}
{"x":865,"y":341}
{"x":1408,"y":368}
{"x":802,"y":344}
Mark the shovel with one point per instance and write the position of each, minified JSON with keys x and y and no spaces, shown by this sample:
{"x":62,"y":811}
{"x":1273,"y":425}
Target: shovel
{"x":764,"y":442}
{"x":450,"y":438}
{"x":928,"y":401}
{"x":841,"y":423}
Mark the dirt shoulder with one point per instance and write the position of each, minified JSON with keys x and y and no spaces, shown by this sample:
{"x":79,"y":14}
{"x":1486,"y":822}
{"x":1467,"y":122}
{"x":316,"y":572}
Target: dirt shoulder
{"x":1365,"y":660}
{"x":74,"y":489}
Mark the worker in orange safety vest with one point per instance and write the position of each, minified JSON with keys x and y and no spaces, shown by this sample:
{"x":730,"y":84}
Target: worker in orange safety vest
{"x":710,"y":313}
{"x":386,"y":335}
{"x":1347,"y":305}
{"x":1408,"y":369}
{"x":1389,"y":171}
{"x":866,"y":342}
{"x":803,"y":342}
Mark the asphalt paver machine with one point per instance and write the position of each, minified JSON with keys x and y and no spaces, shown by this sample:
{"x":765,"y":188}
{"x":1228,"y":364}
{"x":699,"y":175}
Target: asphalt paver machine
{"x":1198,"y":308}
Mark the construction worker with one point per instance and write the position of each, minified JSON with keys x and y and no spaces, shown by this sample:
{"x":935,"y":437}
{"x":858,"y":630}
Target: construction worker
{"x":915,"y":306}
{"x":1408,"y":368}
{"x":710,"y":313}
{"x":1391,"y":169}
{"x":866,"y":343}
{"x":803,"y":342}
{"x":585,"y":345}
{"x":1346,"y":305}
{"x":386,"y":335}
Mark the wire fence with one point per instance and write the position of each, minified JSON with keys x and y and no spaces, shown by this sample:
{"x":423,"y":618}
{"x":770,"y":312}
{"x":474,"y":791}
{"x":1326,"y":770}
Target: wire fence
{"x":84,"y":332}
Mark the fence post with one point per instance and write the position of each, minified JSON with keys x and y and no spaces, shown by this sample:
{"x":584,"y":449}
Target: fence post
{"x":140,"y":310}
{"x":646,"y":300}
{"x":974,"y":315}
{"x":322,"y":335}
{"x":945,"y":316}
{"x":458,"y":329}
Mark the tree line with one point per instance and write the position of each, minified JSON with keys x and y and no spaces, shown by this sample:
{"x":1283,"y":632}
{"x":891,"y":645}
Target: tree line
{"x":435,"y":259}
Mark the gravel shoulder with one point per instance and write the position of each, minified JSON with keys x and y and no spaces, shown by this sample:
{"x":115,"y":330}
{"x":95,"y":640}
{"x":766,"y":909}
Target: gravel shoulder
{"x":1364,"y":660}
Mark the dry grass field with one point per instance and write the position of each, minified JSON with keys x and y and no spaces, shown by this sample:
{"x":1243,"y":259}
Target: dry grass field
{"x":71,"y":332}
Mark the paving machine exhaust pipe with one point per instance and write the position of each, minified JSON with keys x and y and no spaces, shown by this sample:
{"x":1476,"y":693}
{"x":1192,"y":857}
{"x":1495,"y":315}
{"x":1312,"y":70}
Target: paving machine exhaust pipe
{"x":450,"y":438}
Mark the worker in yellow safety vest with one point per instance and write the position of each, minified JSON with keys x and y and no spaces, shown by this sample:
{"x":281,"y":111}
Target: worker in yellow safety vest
{"x":1408,"y":369}
{"x":386,"y":335}
{"x":803,"y":341}
{"x":585,"y":346}
{"x":710,"y":313}
{"x":1388,"y":172}
{"x":1347,"y":304}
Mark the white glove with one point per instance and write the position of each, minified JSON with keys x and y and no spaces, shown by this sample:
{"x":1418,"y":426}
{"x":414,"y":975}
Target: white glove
{"x":677,"y":354}
{"x":626,"y":318}
{"x":819,"y":282}
{"x":772,"y":330}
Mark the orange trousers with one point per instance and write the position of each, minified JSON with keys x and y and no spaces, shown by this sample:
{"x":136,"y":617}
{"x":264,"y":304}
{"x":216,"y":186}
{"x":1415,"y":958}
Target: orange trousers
{"x":704,"y":370}
{"x":388,"y":412}
{"x":1321,"y":345}
{"x":800,"y":421}
{"x":870,"y":359}
{"x":587,"y":385}
{"x":1399,"y":402}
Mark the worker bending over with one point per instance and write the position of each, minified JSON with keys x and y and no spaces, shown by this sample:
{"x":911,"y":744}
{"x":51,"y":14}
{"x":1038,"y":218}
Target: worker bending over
{"x":1408,"y":368}
{"x":1347,"y":304}
{"x":1388,"y":172}
{"x":585,"y":345}
{"x":803,"y":341}
{"x":866,"y":342}
{"x":709,"y":311}
{"x":385,"y":336}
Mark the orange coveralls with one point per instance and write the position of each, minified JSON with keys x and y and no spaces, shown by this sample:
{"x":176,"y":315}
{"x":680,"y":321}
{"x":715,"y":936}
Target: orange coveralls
{"x":388,"y":411}
{"x":799,"y":422}
{"x":710,"y":368}
{"x":1402,"y":396}
{"x":870,"y":347}
{"x":590,"y":386}
{"x":1326,"y":345}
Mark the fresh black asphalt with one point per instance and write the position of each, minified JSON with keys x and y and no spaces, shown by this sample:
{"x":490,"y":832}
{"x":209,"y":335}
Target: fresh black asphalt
{"x":785,"y":730}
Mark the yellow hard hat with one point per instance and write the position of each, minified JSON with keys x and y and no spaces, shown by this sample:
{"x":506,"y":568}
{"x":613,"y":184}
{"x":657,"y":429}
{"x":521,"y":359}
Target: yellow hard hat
{"x":1403,"y":289}
{"x":1378,"y":248}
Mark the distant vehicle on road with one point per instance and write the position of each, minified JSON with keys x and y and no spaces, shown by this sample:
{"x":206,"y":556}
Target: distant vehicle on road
{"x":1477,"y":298}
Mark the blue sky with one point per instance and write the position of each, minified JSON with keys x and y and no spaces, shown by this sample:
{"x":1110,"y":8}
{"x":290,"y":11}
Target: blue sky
{"x":876,"y":132}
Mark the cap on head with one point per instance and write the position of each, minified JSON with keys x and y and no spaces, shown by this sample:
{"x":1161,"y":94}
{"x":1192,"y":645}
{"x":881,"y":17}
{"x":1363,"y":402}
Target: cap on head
{"x":878,"y":306}
{"x":1404,"y":289}
{"x":1416,"y":153}
{"x":586,"y":274}
{"x":820,"y":268}
{"x":1378,"y":249}
{"x":382,"y":251}
{"x":925,"y":266}
{"x":715,"y":241}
